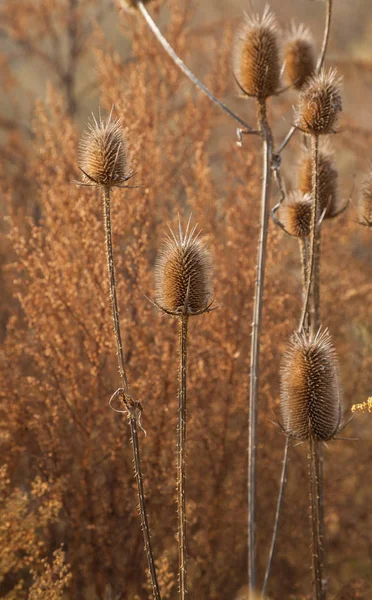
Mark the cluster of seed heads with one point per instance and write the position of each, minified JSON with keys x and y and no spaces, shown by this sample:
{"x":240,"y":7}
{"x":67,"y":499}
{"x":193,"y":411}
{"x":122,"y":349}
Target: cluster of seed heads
{"x":104,"y":153}
{"x":319,"y":104}
{"x":365,"y":201}
{"x":327,"y":180}
{"x":256,"y":59}
{"x":297,"y":210}
{"x":310,"y":391}
{"x":183,"y":273}
{"x":299,"y":56}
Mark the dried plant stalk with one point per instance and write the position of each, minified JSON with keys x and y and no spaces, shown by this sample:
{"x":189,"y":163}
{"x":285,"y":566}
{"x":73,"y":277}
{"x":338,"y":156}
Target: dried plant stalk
{"x":365,"y":202}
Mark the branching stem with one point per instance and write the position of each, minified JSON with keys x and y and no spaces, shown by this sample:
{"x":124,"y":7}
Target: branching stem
{"x":181,"y":458}
{"x":131,"y":412}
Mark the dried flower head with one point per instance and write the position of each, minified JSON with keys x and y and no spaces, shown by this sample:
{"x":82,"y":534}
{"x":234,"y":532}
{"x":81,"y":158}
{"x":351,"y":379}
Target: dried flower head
{"x":310,"y":394}
{"x":319,"y":104}
{"x":327,"y":179}
{"x":183,"y":273}
{"x":365,"y":201}
{"x":256,"y":57}
{"x":299,"y":56}
{"x":103,"y":156}
{"x":297,"y":210}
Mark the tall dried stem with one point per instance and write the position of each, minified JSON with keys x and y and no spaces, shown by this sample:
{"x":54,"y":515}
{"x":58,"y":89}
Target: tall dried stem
{"x":315,"y":515}
{"x":181,"y":458}
{"x":131,"y":409}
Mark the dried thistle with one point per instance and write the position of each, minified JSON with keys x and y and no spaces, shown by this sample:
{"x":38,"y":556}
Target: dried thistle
{"x":299,"y":56}
{"x":297,"y":214}
{"x":327,"y":180}
{"x":103,"y":153}
{"x":365,"y":201}
{"x":319,"y":104}
{"x":310,"y":396}
{"x":256,"y":59}
{"x":183,"y":273}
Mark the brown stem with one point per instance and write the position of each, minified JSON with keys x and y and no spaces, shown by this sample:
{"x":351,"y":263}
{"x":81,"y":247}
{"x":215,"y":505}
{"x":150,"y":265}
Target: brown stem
{"x":131,"y":412}
{"x":327,"y":31}
{"x":255,"y":341}
{"x":316,"y":485}
{"x":181,"y":459}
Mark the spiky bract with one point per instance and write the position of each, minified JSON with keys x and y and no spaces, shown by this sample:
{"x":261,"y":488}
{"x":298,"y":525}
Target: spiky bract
{"x":104,"y":153}
{"x":319,"y":104}
{"x":310,"y":391}
{"x":297,"y":210}
{"x":299,"y":56}
{"x":256,"y":59}
{"x":329,"y":198}
{"x":365,"y":201}
{"x":183,"y":273}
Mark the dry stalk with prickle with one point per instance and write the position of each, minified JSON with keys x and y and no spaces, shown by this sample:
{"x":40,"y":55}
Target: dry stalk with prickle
{"x":183,"y":290}
{"x":104,"y":164}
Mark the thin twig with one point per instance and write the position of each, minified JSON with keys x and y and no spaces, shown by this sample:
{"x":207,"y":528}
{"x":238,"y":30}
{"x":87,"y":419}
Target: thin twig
{"x":255,"y":342}
{"x":277,"y":517}
{"x":181,"y":459}
{"x":181,"y":65}
{"x":132,"y":412}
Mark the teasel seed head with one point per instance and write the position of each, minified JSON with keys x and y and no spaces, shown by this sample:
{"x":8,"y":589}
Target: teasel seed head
{"x":299,"y":56}
{"x":183,"y":270}
{"x":329,"y":197}
{"x":365,"y":201}
{"x":310,"y":391}
{"x":103,"y":153}
{"x":256,"y":57}
{"x":297,"y":210}
{"x":319,"y":104}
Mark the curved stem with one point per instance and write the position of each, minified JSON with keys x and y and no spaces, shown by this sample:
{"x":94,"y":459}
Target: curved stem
{"x":132,"y":415}
{"x":283,"y":479}
{"x":255,"y":343}
{"x":327,"y":31}
{"x":181,"y":65}
{"x":181,"y":459}
{"x":315,"y":187}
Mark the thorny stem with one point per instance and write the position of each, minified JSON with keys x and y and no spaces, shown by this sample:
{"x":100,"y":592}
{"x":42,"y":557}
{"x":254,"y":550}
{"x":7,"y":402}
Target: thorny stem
{"x":255,"y":342}
{"x":315,"y":188}
{"x":277,"y":517}
{"x":181,"y":459}
{"x":181,"y":65}
{"x":131,"y":412}
{"x":315,"y":495}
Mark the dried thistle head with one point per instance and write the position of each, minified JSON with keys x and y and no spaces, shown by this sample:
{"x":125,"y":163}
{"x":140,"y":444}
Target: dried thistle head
{"x":319,"y":104}
{"x":103,"y":153}
{"x":297,"y":211}
{"x":310,"y":391}
{"x":299,"y":56}
{"x":365,"y":201}
{"x":256,"y":57}
{"x":327,"y":179}
{"x":183,"y":272}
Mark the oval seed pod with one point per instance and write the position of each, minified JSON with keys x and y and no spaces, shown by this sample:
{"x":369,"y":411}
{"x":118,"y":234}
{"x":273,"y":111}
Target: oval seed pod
{"x":103,"y":153}
{"x":299,"y":56}
{"x":319,"y":104}
{"x":297,"y":210}
{"x":256,"y":56}
{"x":183,"y":271}
{"x":327,"y":178}
{"x":310,"y":391}
{"x":365,"y":201}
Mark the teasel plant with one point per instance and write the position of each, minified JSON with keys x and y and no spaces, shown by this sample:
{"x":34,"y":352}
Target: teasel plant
{"x":104,"y":164}
{"x":183,"y":289}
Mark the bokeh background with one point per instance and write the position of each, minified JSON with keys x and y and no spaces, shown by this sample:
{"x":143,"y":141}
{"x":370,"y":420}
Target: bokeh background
{"x":70,"y":525}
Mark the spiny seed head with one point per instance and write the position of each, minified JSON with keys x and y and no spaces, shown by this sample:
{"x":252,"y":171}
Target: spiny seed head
{"x":310,"y":391}
{"x":183,"y":270}
{"x":256,"y":58}
{"x":103,"y":155}
{"x":365,"y":201}
{"x":327,"y":179}
{"x":299,"y":56}
{"x":319,"y":104}
{"x":297,"y":210}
